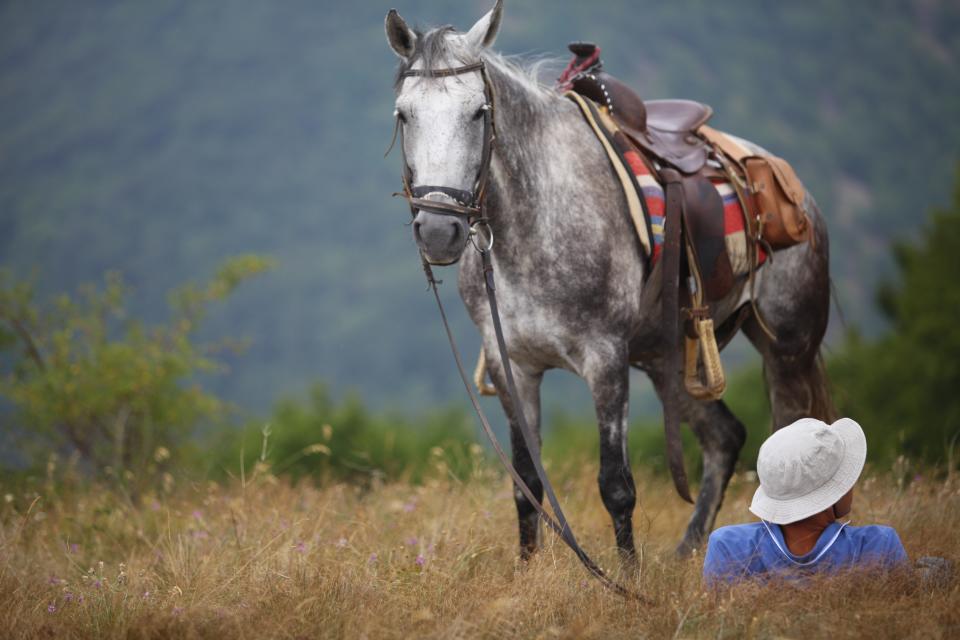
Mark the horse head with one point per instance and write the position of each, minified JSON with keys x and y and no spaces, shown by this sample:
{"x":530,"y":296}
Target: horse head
{"x":444,"y":113}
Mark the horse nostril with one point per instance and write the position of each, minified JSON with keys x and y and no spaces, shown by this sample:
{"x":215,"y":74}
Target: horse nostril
{"x":416,"y":232}
{"x":456,"y":233}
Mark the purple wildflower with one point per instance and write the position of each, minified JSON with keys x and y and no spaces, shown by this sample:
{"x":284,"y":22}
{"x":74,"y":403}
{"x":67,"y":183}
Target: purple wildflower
{"x":341,"y":543}
{"x":300,"y":547}
{"x":372,"y":559}
{"x":420,"y":561}
{"x":155,"y":506}
{"x":52,"y":608}
{"x":409,"y":506}
{"x":197,"y":514}
{"x":68,"y":596}
{"x":53,"y":580}
{"x":412,"y":541}
{"x":177,"y":611}
{"x":98,"y":583}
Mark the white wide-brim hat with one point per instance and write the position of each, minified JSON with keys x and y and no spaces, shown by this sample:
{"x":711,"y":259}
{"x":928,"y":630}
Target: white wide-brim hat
{"x":807,"y":467}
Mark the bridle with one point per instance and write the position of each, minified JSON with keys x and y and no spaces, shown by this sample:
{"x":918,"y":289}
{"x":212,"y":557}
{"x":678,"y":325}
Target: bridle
{"x":468,"y":204}
{"x":471,"y":206}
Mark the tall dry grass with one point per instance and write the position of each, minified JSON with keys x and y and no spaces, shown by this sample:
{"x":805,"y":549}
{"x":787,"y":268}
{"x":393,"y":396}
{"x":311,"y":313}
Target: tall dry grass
{"x":262,"y":559}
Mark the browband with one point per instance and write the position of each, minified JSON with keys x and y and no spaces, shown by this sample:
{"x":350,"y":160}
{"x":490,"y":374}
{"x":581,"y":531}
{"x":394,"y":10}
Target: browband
{"x":442,"y":73}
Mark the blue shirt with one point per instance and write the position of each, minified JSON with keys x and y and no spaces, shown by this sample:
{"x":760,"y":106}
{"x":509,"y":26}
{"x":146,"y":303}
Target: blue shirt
{"x":758,"y":549}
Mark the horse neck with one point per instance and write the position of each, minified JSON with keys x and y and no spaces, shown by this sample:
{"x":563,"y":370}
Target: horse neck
{"x":530,"y":124}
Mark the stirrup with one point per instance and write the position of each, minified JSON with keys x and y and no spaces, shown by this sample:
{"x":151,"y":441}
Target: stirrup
{"x":705,"y":346}
{"x":480,"y":376}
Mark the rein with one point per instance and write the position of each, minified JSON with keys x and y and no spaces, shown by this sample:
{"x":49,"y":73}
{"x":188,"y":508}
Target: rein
{"x":471,"y":205}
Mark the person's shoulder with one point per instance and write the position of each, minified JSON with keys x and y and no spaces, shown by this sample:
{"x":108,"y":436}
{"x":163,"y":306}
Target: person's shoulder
{"x":736,"y":535}
{"x":873,"y":532}
{"x":730,"y":551}
{"x":878,"y":540}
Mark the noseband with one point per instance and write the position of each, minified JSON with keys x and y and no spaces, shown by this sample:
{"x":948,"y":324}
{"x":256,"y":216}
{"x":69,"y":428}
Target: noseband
{"x":466,"y":203}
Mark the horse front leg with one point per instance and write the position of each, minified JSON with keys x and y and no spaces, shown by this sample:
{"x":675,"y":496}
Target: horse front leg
{"x":528,"y":390}
{"x":609,"y":383}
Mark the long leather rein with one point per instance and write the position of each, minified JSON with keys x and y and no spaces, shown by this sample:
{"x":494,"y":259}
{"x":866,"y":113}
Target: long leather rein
{"x":471,"y":205}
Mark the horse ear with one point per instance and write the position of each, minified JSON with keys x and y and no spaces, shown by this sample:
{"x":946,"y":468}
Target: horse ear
{"x":482,"y":34}
{"x":402,"y":39}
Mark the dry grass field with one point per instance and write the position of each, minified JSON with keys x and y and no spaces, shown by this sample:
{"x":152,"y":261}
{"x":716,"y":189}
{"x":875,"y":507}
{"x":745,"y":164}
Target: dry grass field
{"x":262,"y":559}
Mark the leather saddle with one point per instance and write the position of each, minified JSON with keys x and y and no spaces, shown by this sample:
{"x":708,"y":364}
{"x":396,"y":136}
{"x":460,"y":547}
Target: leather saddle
{"x":696,"y":268}
{"x":664,"y":128}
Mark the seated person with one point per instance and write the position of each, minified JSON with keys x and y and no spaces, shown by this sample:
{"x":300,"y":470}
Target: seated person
{"x":807,"y":471}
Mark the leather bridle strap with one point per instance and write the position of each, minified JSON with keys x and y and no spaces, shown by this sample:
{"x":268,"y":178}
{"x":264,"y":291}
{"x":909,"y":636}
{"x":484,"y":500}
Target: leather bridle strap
{"x":467,"y":204}
{"x":443,"y":73}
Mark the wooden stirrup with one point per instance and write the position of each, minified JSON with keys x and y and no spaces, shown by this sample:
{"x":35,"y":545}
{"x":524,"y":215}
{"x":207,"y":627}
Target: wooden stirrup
{"x":480,"y":376}
{"x":704,"y":346}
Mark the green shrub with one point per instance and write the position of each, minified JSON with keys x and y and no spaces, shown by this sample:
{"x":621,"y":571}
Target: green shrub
{"x":327,"y":440}
{"x":85,"y":378}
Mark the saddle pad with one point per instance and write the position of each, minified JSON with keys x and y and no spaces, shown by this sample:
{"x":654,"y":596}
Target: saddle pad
{"x":648,"y":210}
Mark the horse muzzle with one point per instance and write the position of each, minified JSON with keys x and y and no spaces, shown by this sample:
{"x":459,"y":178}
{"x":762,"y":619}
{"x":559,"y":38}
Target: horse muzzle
{"x":441,"y":237}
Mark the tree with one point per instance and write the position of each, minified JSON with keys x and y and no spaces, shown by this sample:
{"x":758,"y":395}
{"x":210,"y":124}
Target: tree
{"x":904,"y":386}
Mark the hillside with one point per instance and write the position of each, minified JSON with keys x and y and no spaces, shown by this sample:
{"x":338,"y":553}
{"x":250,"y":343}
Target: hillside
{"x":158,"y":138}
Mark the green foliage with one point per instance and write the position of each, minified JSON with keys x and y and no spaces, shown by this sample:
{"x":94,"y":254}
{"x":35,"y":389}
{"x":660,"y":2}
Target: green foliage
{"x":327,"y":440}
{"x":85,"y":377}
{"x":903,"y":386}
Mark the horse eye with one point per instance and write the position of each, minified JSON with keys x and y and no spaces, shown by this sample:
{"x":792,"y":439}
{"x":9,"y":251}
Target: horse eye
{"x":400,"y":115}
{"x":479,"y":114}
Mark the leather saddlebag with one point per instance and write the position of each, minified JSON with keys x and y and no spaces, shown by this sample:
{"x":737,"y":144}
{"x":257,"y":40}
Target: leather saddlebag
{"x":776,"y":192}
{"x":778,"y":200}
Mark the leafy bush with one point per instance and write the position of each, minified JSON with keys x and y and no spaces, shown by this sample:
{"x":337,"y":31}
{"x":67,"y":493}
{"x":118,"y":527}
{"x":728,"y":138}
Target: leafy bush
{"x":84,"y":377}
{"x":327,"y":440}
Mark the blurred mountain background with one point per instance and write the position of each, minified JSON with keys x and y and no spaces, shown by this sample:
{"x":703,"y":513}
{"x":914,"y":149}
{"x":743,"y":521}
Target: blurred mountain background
{"x":158,"y":138}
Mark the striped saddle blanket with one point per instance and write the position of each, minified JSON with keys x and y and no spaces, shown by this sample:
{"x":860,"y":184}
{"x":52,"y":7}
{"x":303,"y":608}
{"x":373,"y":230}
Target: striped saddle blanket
{"x":645,"y":196}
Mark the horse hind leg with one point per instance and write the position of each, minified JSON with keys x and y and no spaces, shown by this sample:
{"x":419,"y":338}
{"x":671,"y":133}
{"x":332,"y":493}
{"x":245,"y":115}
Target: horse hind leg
{"x":794,"y":299}
{"x":797,"y":389}
{"x":794,"y":372}
{"x":721,"y":436}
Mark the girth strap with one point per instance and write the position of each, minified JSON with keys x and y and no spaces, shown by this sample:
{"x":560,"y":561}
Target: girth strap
{"x":670,"y":298}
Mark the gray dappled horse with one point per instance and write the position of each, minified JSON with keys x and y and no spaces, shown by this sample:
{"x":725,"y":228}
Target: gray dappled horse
{"x":569,"y":269}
